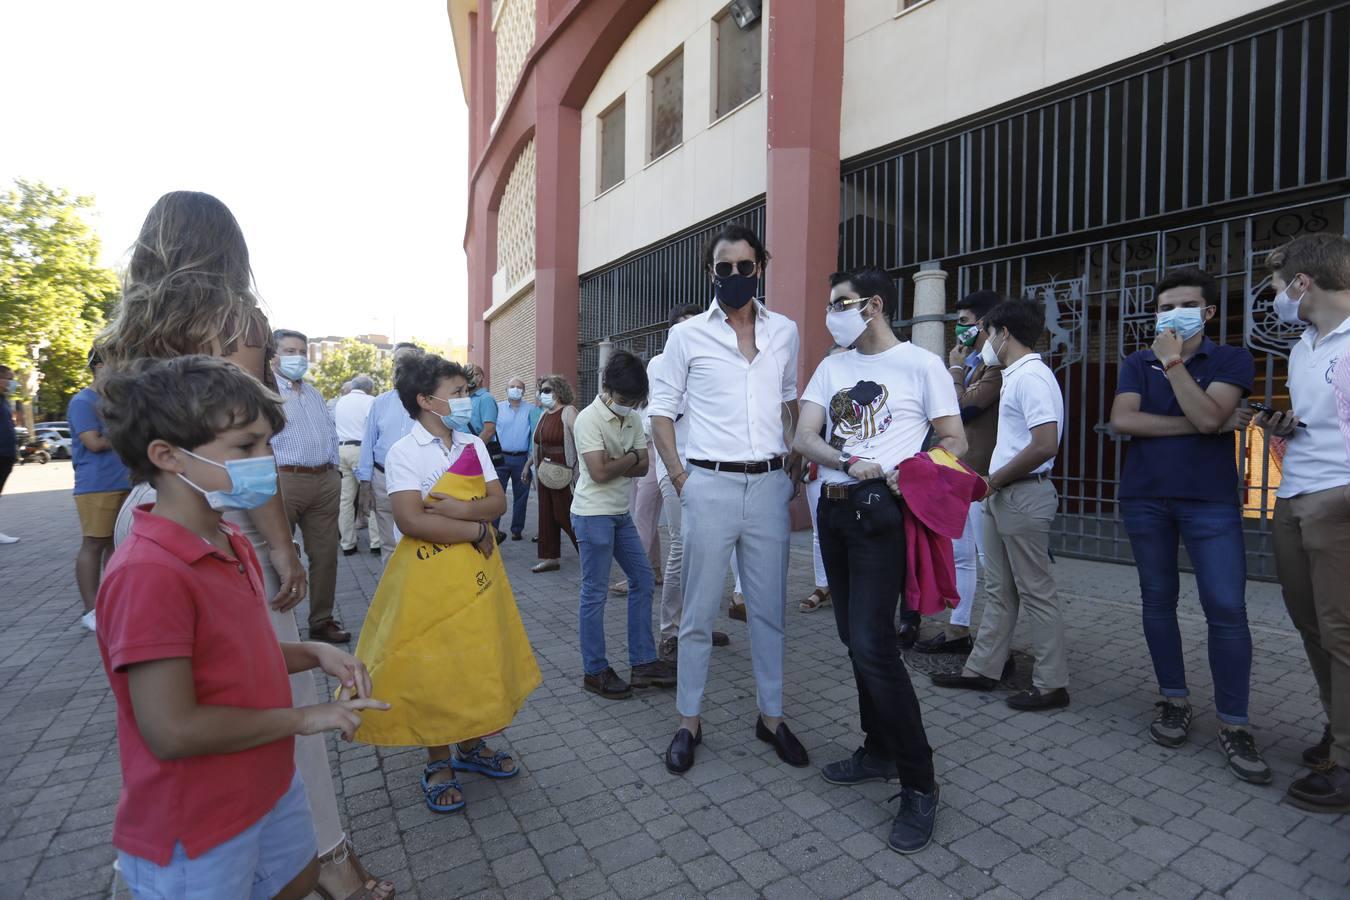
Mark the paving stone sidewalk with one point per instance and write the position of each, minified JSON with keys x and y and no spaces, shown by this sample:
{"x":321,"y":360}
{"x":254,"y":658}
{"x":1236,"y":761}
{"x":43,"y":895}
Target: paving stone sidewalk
{"x":1074,"y":804}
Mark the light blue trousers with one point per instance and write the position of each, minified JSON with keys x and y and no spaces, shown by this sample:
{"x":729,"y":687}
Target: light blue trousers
{"x":722,"y":511}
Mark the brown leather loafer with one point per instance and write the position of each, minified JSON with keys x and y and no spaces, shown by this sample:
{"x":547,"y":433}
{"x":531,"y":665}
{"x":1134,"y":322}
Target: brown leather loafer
{"x":330,"y":632}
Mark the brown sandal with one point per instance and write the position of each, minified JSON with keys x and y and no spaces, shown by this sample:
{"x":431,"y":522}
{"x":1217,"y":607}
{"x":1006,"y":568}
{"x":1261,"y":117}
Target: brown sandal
{"x":818,"y":598}
{"x":372,"y":888}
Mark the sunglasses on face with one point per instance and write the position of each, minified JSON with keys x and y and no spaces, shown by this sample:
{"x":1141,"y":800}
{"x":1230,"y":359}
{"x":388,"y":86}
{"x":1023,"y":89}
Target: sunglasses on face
{"x":844,"y":303}
{"x":723,"y":269}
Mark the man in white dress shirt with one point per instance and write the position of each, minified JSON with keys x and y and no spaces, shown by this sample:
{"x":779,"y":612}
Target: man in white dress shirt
{"x":350,"y":414}
{"x":733,"y":369}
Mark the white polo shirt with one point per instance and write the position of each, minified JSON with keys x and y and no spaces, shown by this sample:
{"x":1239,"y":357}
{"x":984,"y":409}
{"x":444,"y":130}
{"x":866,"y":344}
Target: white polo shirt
{"x":419,"y":459}
{"x":1316,"y":456}
{"x":734,"y":405}
{"x":1030,"y":396}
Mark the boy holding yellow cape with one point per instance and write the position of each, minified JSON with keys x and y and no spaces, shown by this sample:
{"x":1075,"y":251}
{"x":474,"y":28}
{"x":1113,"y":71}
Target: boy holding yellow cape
{"x":443,"y":638}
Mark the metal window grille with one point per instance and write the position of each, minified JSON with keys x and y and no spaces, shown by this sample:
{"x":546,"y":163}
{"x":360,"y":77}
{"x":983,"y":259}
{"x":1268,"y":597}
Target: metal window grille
{"x":1084,"y":197}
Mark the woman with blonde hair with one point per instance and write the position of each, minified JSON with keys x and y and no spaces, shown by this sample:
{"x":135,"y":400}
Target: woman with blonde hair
{"x":555,"y":467}
{"x":189,"y":289}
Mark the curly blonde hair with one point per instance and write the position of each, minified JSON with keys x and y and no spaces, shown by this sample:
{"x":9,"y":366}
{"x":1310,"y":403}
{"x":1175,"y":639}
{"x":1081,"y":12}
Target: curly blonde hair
{"x":189,"y":287}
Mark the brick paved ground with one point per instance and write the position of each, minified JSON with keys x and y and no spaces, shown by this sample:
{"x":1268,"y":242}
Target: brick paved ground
{"x":1075,"y":804}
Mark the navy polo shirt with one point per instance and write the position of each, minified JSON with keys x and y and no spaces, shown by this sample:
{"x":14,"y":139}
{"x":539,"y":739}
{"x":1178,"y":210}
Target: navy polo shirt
{"x":1184,"y":467}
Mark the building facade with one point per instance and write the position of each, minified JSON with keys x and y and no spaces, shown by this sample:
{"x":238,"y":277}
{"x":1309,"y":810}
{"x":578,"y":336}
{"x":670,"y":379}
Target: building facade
{"x":1066,"y":150}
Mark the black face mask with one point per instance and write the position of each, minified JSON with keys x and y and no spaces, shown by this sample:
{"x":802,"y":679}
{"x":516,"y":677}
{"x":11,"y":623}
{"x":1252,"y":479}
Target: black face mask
{"x":735,"y":291}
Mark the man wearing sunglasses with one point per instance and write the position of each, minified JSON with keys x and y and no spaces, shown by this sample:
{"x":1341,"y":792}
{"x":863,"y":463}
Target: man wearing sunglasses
{"x":877,"y":402}
{"x":733,"y":371}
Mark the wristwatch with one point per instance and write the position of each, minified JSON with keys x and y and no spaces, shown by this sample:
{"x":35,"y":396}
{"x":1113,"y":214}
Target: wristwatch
{"x":844,"y":460}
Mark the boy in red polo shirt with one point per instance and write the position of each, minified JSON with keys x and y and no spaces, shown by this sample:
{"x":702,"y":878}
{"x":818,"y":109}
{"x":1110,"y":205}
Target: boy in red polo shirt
{"x":211,"y":804}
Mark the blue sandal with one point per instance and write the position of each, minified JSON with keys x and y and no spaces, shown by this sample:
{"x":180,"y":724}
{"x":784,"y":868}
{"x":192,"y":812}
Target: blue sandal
{"x":434,"y":792}
{"x":492,"y":768}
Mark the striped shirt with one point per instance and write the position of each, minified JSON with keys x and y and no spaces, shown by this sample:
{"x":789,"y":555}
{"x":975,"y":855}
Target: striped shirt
{"x":310,"y":437}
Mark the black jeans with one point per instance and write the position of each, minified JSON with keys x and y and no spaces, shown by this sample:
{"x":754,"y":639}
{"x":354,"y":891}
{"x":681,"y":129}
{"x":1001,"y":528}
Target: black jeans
{"x":862,"y":543}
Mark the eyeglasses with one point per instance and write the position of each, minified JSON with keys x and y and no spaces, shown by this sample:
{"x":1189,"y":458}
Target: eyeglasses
{"x":844,"y":303}
{"x":723,"y":269}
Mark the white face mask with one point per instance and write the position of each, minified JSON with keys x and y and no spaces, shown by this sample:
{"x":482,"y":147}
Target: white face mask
{"x":547,"y":400}
{"x":515,"y":393}
{"x":619,"y":409}
{"x":1286,"y":307}
{"x":989,"y":355}
{"x":845,"y":326}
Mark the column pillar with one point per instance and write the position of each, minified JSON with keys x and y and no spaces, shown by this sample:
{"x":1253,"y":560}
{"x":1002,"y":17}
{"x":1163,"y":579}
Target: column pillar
{"x":557,"y":143}
{"x":930,"y":308}
{"x":805,"y":94}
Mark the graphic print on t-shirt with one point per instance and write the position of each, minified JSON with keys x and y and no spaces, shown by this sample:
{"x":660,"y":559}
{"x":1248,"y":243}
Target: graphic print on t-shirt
{"x":859,"y":413}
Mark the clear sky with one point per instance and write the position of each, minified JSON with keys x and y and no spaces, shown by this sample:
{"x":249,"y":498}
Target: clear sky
{"x":336,"y":131}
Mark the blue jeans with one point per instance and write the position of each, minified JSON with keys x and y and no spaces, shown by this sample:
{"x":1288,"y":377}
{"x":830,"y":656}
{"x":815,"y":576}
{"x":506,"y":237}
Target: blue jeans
{"x":520,"y":490}
{"x":1213,"y":535}
{"x":601,"y":540}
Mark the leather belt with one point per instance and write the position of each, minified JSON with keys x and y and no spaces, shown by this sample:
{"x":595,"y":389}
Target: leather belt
{"x":306,"y":470}
{"x":515,"y":453}
{"x":378,"y":466}
{"x":833,"y":490}
{"x":349,"y":443}
{"x":740,"y":468}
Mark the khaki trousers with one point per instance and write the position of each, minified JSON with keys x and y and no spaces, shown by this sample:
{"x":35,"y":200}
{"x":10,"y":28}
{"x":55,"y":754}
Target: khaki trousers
{"x":1312,"y":560}
{"x":1016,"y":532}
{"x":383,"y":511}
{"x":312,"y":503}
{"x":349,"y":456}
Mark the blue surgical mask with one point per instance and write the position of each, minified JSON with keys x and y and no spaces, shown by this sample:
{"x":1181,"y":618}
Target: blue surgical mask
{"x":461,"y":410}
{"x":253,"y":482}
{"x":515,"y":393}
{"x":1186,"y":322}
{"x":294,"y":367}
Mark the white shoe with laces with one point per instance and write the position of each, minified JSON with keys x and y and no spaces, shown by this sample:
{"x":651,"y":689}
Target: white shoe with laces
{"x":87,"y":620}
{"x":6,"y":539}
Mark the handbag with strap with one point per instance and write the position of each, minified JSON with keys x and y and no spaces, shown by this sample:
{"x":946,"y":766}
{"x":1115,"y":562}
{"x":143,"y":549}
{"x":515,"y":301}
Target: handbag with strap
{"x":554,"y":476}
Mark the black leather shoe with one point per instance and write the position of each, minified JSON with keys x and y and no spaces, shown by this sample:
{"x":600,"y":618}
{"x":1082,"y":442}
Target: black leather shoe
{"x":374,"y":551}
{"x":348,"y":551}
{"x":1036,"y":699}
{"x":859,"y":768}
{"x":966,"y":682}
{"x":516,"y":535}
{"x":680,"y":753}
{"x":785,"y":743}
{"x":1319,"y":754}
{"x":908,"y":635}
{"x":720,"y":639}
{"x":938,"y":643}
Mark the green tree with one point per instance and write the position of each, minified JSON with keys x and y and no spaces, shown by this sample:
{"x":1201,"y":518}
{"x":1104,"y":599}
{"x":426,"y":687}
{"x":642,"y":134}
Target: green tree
{"x":54,"y":294}
{"x":346,"y":361}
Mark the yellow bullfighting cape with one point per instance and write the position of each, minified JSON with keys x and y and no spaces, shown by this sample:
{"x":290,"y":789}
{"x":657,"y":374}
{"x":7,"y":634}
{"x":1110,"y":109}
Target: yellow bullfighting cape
{"x":443,"y":639}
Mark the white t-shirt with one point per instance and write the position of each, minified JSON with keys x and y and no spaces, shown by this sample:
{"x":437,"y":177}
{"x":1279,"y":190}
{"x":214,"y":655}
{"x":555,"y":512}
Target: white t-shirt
{"x":419,"y":459}
{"x":1316,"y":458}
{"x":1030,"y":397}
{"x":880,"y":406}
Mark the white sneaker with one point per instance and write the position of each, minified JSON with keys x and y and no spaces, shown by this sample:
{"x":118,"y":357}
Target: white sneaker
{"x":87,"y":620}
{"x":6,"y":539}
